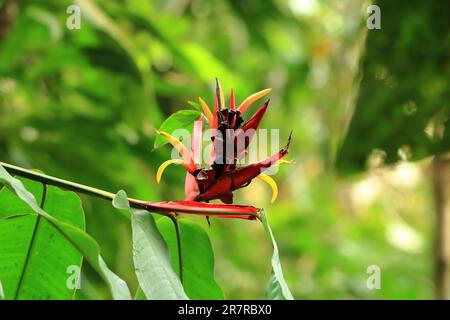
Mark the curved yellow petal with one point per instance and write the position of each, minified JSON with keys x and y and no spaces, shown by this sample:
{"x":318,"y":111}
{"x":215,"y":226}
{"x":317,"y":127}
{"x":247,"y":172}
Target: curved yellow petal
{"x":184,"y":152}
{"x":247,"y":102}
{"x":271,"y":183}
{"x":163,"y":167}
{"x":206,"y":110}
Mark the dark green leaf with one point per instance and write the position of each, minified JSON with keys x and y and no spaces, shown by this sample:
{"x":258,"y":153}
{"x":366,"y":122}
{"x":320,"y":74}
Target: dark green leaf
{"x":197,"y":258}
{"x":151,"y":257}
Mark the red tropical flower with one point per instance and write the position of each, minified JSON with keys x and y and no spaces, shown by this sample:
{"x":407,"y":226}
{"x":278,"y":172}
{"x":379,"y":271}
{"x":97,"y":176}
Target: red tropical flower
{"x":230,"y":132}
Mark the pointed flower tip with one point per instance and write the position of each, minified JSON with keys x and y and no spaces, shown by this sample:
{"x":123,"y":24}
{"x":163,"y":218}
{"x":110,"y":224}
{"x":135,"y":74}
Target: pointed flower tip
{"x":219,"y":95}
{"x":256,"y":96}
{"x":286,"y":148}
{"x":206,"y":110}
{"x":232,"y":100}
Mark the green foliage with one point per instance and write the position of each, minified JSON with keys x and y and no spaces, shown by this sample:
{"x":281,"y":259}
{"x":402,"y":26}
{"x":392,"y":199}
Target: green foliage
{"x":80,"y":240}
{"x":35,"y":263}
{"x":84,"y":105}
{"x":277,"y":288}
{"x":402,"y":105}
{"x":156,"y":277}
{"x":197,"y":258}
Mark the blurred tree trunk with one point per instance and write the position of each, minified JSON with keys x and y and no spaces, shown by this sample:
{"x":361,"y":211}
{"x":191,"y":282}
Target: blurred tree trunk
{"x":441,"y":181}
{"x":8,"y":12}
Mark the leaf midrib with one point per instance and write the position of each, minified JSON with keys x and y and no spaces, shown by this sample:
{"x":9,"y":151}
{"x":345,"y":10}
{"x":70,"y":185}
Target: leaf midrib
{"x":32,"y":242}
{"x":27,"y":258}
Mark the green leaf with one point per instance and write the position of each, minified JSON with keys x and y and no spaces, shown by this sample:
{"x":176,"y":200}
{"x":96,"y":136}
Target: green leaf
{"x":273,"y":290}
{"x":35,"y":265}
{"x":195,"y":105}
{"x":139,"y":295}
{"x":197,"y":258}
{"x":277,"y":288}
{"x":2,"y":293}
{"x":183,"y":119}
{"x":151,"y":257}
{"x":84,"y":243}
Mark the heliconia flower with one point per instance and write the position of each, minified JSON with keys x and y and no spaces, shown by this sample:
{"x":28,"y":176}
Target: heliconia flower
{"x":223,"y":176}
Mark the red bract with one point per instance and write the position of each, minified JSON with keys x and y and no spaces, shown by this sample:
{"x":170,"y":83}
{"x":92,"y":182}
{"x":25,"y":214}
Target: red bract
{"x":230,"y":132}
{"x":205,"y":209}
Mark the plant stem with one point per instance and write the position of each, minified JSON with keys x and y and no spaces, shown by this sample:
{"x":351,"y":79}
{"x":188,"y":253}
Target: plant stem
{"x":68,"y":185}
{"x":178,"y":235}
{"x":44,"y":195}
{"x":164,"y":208}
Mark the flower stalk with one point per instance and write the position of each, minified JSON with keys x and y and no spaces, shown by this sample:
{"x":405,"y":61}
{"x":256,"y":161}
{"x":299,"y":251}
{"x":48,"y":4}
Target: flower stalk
{"x":166,"y":208}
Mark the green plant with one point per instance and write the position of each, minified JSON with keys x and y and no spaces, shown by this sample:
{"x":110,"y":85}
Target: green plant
{"x":42,"y":229}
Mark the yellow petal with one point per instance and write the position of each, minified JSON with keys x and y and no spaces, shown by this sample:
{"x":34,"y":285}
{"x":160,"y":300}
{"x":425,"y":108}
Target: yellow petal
{"x":284,"y":161}
{"x":271,"y":183}
{"x":247,"y":102}
{"x":163,"y":167}
{"x":184,"y":152}
{"x":206,"y":110}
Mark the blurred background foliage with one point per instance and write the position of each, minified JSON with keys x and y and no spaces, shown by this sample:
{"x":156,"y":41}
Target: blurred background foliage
{"x":84,"y":105}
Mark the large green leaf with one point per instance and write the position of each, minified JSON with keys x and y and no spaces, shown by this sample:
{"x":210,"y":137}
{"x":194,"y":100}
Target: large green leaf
{"x":277,"y":288}
{"x":197,"y":258}
{"x":151,"y":257}
{"x":183,"y":119}
{"x":35,"y":263}
{"x":80,"y":240}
